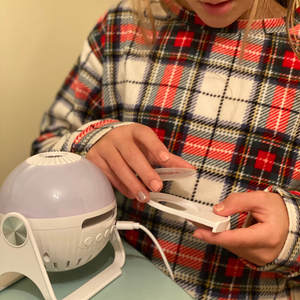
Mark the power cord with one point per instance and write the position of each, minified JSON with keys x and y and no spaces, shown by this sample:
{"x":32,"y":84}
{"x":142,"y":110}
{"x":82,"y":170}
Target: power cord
{"x":129,"y":225}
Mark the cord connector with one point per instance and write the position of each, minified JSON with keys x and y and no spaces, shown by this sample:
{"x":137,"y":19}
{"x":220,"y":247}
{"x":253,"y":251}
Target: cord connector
{"x":127,"y":225}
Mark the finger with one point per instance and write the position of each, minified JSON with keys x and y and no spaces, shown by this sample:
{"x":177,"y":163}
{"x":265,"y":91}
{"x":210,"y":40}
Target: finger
{"x":177,"y":162}
{"x":114,"y":180}
{"x":241,"y":202}
{"x":125,"y":174}
{"x":254,"y":236}
{"x":138,"y":162}
{"x":146,"y":138}
{"x":160,"y":155}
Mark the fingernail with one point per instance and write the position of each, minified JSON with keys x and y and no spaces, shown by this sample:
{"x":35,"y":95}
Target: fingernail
{"x":164,"y":156}
{"x":142,"y":197}
{"x":219,"y":207}
{"x":155,"y":185}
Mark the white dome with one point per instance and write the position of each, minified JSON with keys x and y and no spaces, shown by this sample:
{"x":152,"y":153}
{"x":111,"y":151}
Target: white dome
{"x":55,"y":185}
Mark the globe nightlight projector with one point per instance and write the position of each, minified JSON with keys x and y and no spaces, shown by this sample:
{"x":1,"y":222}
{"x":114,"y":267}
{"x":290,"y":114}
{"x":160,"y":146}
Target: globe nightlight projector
{"x":57,"y":212}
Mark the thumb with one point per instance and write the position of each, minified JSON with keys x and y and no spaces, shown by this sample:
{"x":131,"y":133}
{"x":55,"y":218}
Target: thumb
{"x":178,"y":162}
{"x":237,"y":203}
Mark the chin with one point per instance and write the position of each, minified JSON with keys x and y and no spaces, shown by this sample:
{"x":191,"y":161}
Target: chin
{"x":216,"y":22}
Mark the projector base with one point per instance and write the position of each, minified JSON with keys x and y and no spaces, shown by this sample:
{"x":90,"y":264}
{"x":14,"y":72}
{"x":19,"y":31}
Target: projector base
{"x":19,"y":255}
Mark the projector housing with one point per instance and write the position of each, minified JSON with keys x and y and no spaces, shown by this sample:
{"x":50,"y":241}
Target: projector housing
{"x":69,"y":204}
{"x":66,"y":244}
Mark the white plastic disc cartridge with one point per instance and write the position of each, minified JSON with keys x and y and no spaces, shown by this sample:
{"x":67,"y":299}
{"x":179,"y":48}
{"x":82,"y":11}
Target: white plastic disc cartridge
{"x":169,"y":174}
{"x":188,"y":210}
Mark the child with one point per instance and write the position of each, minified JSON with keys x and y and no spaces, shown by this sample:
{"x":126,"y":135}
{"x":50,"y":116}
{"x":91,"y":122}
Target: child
{"x":175,"y":85}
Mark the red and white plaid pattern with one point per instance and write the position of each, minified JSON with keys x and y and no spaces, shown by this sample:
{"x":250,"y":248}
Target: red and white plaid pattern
{"x":239,"y":124}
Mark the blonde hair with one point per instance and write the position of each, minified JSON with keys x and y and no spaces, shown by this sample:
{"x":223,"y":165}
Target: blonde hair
{"x":294,"y":42}
{"x":142,"y":6}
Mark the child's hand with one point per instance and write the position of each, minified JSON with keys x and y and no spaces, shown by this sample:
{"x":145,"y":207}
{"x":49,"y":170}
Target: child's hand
{"x":131,"y":149}
{"x":260,"y":243}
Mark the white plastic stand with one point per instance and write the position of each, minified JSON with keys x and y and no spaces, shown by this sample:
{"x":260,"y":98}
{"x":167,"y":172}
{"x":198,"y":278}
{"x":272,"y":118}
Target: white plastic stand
{"x":22,"y":256}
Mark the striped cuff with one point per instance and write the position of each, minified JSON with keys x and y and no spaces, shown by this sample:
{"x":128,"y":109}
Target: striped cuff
{"x":81,"y":140}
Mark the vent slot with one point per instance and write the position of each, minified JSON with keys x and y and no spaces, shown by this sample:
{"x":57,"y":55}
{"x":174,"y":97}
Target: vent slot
{"x":97,"y":220}
{"x":68,"y":264}
{"x":79,"y":261}
{"x":46,"y":257}
{"x":55,"y":266}
{"x":54,"y":156}
{"x":89,"y":258}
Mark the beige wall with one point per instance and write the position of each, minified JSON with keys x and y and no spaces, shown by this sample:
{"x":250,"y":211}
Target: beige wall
{"x":39,"y":43}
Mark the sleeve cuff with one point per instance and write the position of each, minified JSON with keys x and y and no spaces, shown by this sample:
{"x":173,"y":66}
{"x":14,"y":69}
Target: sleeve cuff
{"x":86,"y":136}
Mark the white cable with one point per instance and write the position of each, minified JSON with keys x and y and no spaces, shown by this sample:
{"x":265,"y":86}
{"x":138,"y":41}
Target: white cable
{"x":129,"y":225}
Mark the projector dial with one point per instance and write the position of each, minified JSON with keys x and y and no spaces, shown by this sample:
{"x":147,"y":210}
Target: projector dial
{"x":14,"y":231}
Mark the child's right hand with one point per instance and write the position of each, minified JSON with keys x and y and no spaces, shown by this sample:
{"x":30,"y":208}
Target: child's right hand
{"x":131,"y":150}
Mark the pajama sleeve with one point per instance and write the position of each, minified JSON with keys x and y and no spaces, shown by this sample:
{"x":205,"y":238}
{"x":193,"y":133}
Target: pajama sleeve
{"x":288,"y":261}
{"x":77,"y":119}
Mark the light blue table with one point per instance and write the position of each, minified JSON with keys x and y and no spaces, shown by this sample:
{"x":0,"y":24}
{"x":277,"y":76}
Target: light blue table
{"x":140,"y":280}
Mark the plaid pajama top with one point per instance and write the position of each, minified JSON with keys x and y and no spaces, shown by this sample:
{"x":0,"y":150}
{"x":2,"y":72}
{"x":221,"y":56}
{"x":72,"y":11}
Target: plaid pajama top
{"x":238,"y":124}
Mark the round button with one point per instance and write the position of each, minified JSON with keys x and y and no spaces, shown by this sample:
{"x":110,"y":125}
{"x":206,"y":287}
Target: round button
{"x":88,"y":241}
{"x":14,"y":231}
{"x":99,"y":237}
{"x":106,"y":234}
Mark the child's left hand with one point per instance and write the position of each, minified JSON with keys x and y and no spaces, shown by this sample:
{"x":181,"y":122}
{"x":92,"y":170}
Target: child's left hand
{"x":260,"y":243}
